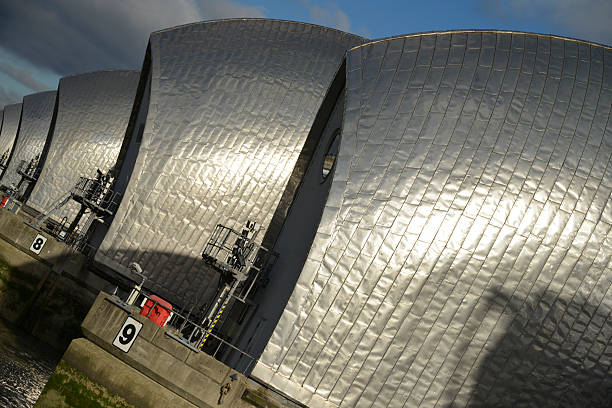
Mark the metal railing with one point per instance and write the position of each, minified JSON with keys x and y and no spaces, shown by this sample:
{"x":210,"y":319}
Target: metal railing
{"x":228,"y":249}
{"x":28,"y":169}
{"x":78,"y":241}
{"x":182,"y":329}
{"x":4,"y":159}
{"x":97,"y":200}
{"x":96,"y":194}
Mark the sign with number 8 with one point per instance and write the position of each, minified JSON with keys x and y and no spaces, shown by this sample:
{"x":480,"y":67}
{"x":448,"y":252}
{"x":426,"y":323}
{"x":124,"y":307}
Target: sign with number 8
{"x":127,"y":334}
{"x":38,"y":244}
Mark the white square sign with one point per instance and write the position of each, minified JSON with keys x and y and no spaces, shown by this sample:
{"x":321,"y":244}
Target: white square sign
{"x":127,"y":334}
{"x":38,"y":244}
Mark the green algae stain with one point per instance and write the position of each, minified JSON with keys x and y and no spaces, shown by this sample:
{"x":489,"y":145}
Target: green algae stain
{"x":70,"y":388}
{"x":16,"y":286}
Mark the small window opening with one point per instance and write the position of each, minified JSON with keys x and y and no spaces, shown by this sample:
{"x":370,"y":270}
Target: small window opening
{"x":330,"y":157}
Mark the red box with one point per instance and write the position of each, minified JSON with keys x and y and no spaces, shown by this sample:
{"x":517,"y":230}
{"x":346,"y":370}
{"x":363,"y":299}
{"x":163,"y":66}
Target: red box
{"x":161,"y":310}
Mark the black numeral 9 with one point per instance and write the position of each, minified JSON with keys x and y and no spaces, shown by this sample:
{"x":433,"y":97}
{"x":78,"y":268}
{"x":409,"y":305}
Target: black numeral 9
{"x":127,"y":334}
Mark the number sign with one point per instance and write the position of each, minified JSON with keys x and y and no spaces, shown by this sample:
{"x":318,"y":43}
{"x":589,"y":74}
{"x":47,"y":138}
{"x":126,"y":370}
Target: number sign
{"x":127,"y":334}
{"x":38,"y":244}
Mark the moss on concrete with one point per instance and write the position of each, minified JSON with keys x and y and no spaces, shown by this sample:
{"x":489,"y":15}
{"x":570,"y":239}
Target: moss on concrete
{"x":7,"y":272}
{"x":64,"y":304}
{"x":15,"y":289}
{"x":69,"y":387}
{"x":53,"y":314}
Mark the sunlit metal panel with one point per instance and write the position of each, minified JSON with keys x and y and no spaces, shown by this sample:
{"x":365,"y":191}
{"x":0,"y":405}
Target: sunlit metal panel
{"x":92,"y":115}
{"x":33,"y":132}
{"x":464,"y":257}
{"x":231,"y":103}
{"x":10,"y":127}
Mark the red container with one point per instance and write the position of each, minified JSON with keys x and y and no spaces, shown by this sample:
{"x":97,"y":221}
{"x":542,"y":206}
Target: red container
{"x":161,"y":310}
{"x":4,"y":200}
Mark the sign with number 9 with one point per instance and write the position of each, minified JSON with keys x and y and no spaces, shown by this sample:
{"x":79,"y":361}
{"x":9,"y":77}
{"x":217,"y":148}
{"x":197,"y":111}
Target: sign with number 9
{"x":127,"y":334}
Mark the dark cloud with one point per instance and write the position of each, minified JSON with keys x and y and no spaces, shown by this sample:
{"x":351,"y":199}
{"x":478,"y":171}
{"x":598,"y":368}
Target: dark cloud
{"x":583,"y":19}
{"x":21,"y":76}
{"x":75,"y":36}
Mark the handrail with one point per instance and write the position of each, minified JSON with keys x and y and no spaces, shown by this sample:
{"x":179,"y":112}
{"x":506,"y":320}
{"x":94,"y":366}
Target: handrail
{"x":186,"y":326}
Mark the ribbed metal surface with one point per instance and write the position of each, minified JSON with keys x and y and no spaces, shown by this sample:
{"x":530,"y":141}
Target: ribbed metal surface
{"x":10,"y":126}
{"x":92,"y":116}
{"x":465,"y":255}
{"x":35,"y":123}
{"x":231,"y":104}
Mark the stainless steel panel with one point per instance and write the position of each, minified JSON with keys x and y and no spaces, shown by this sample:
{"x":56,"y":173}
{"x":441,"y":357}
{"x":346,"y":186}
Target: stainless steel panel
{"x":10,"y":127}
{"x":231,"y":104}
{"x":92,"y":116}
{"x":33,"y":132}
{"x":463,"y":258}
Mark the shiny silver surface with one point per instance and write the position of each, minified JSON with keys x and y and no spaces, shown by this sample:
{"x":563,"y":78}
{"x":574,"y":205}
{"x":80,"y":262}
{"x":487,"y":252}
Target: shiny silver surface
{"x":464,"y":257}
{"x":33,"y":132}
{"x":231,"y":104}
{"x":92,"y":115}
{"x":10,"y":127}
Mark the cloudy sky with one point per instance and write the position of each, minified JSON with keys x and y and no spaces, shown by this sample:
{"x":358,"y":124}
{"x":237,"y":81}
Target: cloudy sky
{"x":43,"y":40}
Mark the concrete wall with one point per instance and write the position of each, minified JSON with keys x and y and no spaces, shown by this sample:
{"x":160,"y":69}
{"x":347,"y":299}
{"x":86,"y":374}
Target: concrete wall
{"x":85,"y":366}
{"x":47,"y":294}
{"x":196,"y":377}
{"x":69,"y":387}
{"x":17,"y":233}
{"x":157,"y":371}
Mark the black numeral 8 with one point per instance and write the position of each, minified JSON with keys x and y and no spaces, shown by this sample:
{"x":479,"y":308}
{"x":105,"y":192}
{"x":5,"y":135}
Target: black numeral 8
{"x":38,"y":243}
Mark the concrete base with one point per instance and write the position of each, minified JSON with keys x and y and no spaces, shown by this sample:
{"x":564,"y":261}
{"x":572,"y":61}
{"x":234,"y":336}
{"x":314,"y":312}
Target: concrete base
{"x":47,"y":294}
{"x":47,"y":305}
{"x":196,"y":377}
{"x":156,"y":371}
{"x":69,"y":387}
{"x":110,"y":378}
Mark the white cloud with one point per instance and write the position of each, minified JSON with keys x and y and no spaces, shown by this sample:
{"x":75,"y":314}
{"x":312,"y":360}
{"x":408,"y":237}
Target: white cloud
{"x":584,"y":19}
{"x":8,"y":97}
{"x":328,"y":14}
{"x":22,"y":76}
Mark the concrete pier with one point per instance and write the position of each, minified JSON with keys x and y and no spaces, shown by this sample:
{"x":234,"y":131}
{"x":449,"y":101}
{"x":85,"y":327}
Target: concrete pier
{"x":58,"y":296}
{"x":47,"y":293}
{"x":157,"y":371}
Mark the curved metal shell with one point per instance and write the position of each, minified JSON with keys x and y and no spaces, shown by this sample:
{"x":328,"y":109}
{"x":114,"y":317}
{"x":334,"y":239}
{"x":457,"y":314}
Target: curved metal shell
{"x":92,"y":115}
{"x":231,"y":103}
{"x":33,"y":132}
{"x":465,"y":253}
{"x":10,"y":127}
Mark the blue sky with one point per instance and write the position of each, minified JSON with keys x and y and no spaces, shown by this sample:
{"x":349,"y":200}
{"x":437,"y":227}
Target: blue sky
{"x":43,"y":40}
